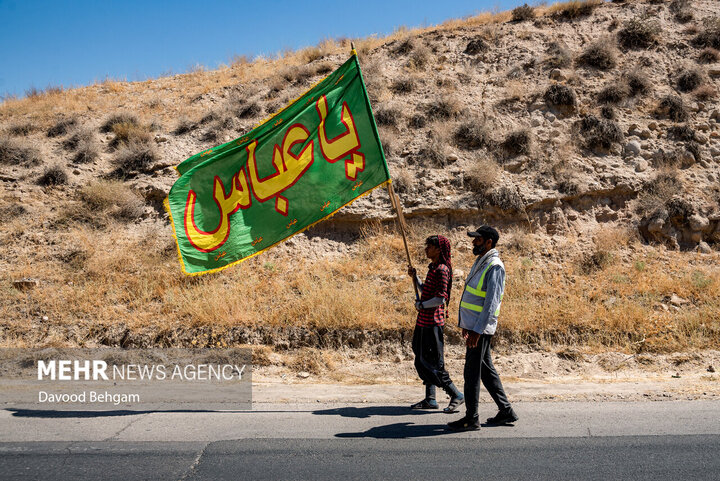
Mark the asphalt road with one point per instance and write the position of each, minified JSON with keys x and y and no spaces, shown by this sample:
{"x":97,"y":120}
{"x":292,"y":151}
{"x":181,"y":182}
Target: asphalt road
{"x":660,"y":440}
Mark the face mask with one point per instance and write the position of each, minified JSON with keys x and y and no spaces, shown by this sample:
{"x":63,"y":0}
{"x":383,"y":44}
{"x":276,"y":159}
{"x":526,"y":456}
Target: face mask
{"x":477,"y":250}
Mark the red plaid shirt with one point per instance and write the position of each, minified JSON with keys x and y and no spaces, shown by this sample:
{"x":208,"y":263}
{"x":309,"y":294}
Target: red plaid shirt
{"x":436,"y":285}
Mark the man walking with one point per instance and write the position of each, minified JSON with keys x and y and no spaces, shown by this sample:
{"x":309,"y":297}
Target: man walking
{"x":479,"y":309}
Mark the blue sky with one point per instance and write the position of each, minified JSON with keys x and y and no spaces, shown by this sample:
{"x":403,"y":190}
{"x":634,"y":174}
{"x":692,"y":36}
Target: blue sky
{"x":72,"y":43}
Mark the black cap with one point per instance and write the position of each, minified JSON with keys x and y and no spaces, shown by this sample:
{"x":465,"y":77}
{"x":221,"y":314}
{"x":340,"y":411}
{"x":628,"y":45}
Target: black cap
{"x":486,"y":232}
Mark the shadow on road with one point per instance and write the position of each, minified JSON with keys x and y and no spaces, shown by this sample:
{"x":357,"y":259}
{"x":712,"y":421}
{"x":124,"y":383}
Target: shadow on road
{"x":400,"y":431}
{"x":366,"y":412}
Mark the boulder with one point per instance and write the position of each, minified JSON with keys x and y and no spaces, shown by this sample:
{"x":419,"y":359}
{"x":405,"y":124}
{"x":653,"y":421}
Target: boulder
{"x":704,"y":248}
{"x":556,"y":74}
{"x":686,"y":157}
{"x":26,"y":284}
{"x":676,"y":300}
{"x":656,"y":225}
{"x":698,"y":222}
{"x":633,"y":147}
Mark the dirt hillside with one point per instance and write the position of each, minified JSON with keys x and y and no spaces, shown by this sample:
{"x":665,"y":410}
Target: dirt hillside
{"x":587,"y":132}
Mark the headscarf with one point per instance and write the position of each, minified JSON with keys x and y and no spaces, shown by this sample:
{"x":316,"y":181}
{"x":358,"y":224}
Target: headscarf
{"x":446,"y":258}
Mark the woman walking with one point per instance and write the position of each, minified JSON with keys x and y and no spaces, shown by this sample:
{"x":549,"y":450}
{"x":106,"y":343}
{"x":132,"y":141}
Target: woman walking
{"x":428,"y":342}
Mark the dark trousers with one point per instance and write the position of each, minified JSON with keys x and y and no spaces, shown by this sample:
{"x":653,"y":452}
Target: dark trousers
{"x":479,"y":367}
{"x":428,"y":346}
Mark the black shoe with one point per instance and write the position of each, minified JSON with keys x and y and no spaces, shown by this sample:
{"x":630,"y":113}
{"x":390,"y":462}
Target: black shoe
{"x":454,"y":404}
{"x":465,"y":424}
{"x":506,"y":416}
{"x":425,"y":404}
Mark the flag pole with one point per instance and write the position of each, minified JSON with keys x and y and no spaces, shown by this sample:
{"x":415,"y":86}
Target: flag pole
{"x":395,"y":202}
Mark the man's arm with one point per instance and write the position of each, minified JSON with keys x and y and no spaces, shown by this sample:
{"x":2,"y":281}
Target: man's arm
{"x":433,"y":302}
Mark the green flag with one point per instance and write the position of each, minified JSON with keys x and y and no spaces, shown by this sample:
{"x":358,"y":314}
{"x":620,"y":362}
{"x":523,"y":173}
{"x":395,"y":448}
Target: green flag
{"x":319,"y":153}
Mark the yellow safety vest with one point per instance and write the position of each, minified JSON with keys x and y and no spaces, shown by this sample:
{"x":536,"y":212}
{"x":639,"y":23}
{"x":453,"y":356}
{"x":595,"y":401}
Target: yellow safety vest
{"x":473,"y":298}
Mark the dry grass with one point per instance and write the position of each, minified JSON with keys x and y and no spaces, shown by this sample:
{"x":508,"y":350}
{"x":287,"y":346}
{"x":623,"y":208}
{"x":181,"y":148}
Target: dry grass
{"x":681,"y":10}
{"x":21,"y":129}
{"x":389,"y":141}
{"x":710,"y":34}
{"x":657,"y":191}
{"x":132,"y":277}
{"x":388,"y":116}
{"x":61,"y":127}
{"x":99,"y":203}
{"x":623,"y":310}
{"x":135,"y":156}
{"x":598,"y":135}
{"x":705,"y":92}
{"x":613,"y":92}
{"x":79,"y":137}
{"x":404,"y":85}
{"x":122,"y":120}
{"x":637,"y":81}
{"x":472,"y":134}
{"x":709,"y":55}
{"x":183,"y":126}
{"x":53,"y":175}
{"x":673,"y":107}
{"x":639,"y":32}
{"x":522,"y":13}
{"x":518,"y":142}
{"x":418,"y":121}
{"x":600,"y":55}
{"x":482,"y":174}
{"x":310,"y":360}
{"x":689,"y":79}
{"x":476,"y":46}
{"x":87,"y":151}
{"x":606,"y":243}
{"x":574,"y":9}
{"x":17,"y":152}
{"x":558,"y":55}
{"x":420,"y":58}
{"x":11,"y":211}
{"x":434,"y":153}
{"x":402,"y":180}
{"x":445,"y":108}
{"x":562,"y":96}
